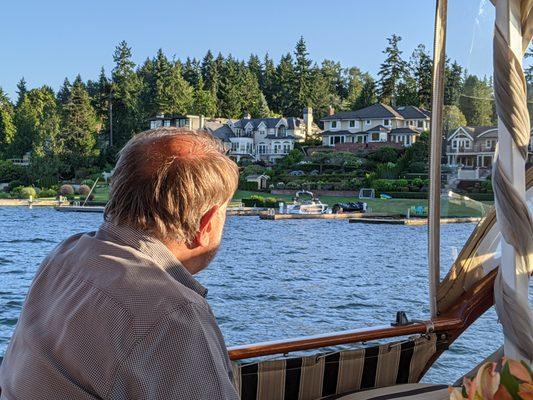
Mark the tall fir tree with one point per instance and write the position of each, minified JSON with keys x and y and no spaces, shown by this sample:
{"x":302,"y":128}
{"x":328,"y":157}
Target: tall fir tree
{"x":302,"y":76}
{"x":391,"y":71}
{"x":354,"y":86}
{"x":453,"y":83}
{"x":7,"y":126}
{"x":368,"y":95}
{"x":21,"y":90}
{"x":64,"y":93}
{"x":178,"y":93}
{"x":268,"y":84}
{"x":421,"y":66}
{"x":205,"y":102}
{"x":79,"y":128}
{"x":256,"y":68}
{"x":229,"y":94}
{"x":192,"y":71}
{"x":125,"y":89}
{"x":284,"y":101}
{"x":476,"y":101}
{"x":210,"y":73}
{"x":253,"y":100}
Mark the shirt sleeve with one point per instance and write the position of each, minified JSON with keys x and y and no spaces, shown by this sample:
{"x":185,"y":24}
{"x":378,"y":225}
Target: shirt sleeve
{"x":182,"y":357}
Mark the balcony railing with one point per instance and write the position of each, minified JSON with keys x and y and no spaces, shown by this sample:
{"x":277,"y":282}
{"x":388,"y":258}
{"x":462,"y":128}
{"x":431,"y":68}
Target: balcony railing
{"x":477,"y":148}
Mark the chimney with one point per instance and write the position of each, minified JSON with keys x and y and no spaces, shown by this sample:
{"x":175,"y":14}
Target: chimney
{"x":308,"y":120}
{"x":331,"y":111}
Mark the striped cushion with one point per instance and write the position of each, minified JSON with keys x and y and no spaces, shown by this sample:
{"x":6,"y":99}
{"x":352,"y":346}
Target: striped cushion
{"x":316,"y":376}
{"x":410,"y":391}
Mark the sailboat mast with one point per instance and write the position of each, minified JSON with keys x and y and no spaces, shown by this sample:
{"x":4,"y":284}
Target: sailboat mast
{"x":439,"y":62}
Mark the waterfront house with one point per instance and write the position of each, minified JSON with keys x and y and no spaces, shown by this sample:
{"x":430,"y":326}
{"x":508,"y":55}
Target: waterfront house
{"x":266,"y":139}
{"x":179,"y":121}
{"x":378,"y":123}
{"x":472,"y":148}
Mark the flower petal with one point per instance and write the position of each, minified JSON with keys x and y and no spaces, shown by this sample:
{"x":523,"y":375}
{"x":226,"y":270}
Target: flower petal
{"x":525,"y":391}
{"x":519,"y":371}
{"x":487,"y":381}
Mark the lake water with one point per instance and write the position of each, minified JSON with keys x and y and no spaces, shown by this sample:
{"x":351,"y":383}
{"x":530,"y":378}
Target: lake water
{"x":279,"y":279}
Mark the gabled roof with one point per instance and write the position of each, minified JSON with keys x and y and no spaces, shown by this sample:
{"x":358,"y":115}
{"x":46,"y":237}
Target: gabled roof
{"x":412,"y":112}
{"x":223,"y":132}
{"x":404,"y":131}
{"x":475,"y":131}
{"x":269,"y":122}
{"x":379,"y":128}
{"x":375,"y":111}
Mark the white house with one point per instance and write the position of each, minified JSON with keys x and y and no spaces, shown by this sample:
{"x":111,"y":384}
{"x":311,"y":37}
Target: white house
{"x":265,"y":139}
{"x":376,"y":123}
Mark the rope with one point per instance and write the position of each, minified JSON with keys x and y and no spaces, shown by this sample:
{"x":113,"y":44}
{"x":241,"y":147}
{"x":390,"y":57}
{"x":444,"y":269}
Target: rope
{"x":513,"y":216}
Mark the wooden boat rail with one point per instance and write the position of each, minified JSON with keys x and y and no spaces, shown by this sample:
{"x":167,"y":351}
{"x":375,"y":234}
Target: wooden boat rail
{"x":460,"y":316}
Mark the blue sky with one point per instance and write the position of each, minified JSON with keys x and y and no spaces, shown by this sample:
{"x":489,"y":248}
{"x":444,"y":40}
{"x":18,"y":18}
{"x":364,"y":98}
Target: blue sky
{"x":46,"y":41}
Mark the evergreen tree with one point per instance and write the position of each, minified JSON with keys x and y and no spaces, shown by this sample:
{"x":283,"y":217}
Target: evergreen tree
{"x":284,"y":90}
{"x":476,"y":102}
{"x":205,"y":102}
{"x":210,"y":73}
{"x":21,"y":90}
{"x":127,"y":116}
{"x":79,"y":128}
{"x":422,"y":70}
{"x":255,"y":67}
{"x":37,"y":124}
{"x":147,"y":95}
{"x":320,"y":96}
{"x":229,"y":94}
{"x":391,"y":71}
{"x":354,"y":86}
{"x":268,"y":84}
{"x":7,"y":126}
{"x":178,"y":96}
{"x":64,"y":93}
{"x":192,"y":71}
{"x":302,"y":75}
{"x":408,"y":92}
{"x":367,"y":97}
{"x":453,"y":83}
{"x":162,"y":71}
{"x":253,"y":100}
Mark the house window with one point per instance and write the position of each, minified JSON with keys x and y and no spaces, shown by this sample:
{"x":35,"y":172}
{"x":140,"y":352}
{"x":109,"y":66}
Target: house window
{"x":360,"y":139}
{"x":467,"y":144}
{"x":368,"y":122}
{"x":490,"y":143}
{"x":386,"y":122}
{"x":454,"y":144}
{"x":420,"y":123}
{"x":333,"y":124}
{"x":286,"y":147}
{"x":333,"y":140}
{"x":352,"y":124}
{"x":166,"y":122}
{"x":375,"y":137}
{"x":282,"y":130}
{"x":262,"y":132}
{"x":262,"y":148}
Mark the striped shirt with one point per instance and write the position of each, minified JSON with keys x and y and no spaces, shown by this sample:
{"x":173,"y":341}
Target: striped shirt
{"x":113,"y":314}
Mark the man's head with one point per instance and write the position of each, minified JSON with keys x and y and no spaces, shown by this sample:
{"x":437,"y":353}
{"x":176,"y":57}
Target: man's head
{"x":174,"y":184}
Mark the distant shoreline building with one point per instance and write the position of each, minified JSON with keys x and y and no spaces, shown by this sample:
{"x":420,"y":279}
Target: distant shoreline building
{"x":474,"y":146}
{"x":378,"y":123}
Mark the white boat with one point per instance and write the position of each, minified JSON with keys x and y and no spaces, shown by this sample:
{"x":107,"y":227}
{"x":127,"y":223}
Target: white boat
{"x":312,"y":206}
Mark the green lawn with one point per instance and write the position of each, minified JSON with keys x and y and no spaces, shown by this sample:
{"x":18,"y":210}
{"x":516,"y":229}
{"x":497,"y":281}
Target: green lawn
{"x":394,"y":206}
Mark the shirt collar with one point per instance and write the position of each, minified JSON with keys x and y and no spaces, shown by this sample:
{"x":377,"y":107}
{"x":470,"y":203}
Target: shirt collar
{"x":157,"y":251}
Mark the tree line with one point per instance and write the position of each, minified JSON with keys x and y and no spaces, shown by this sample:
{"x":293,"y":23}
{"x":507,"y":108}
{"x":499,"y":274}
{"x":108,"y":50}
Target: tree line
{"x":71,"y":129}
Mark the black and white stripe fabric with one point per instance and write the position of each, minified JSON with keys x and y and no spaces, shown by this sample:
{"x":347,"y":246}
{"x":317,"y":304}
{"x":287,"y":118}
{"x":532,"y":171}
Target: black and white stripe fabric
{"x":342,"y":372}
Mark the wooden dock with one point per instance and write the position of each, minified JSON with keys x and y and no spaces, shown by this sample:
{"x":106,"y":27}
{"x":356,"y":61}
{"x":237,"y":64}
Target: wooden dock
{"x":93,"y":209}
{"x":247,"y":211}
{"x":412,"y":221}
{"x":275,"y":217}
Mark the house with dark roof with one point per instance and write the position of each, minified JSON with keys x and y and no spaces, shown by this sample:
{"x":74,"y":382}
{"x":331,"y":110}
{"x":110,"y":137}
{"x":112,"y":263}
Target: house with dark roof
{"x":376,"y":123}
{"x":474,"y":146}
{"x":179,"y":121}
{"x":265,"y":139}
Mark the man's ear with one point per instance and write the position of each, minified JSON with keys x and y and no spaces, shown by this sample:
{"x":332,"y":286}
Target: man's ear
{"x":202,"y":236}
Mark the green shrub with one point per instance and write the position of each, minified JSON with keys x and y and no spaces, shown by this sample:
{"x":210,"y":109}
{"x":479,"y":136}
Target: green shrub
{"x":48,"y":193}
{"x":13,"y":184}
{"x":243,"y":185}
{"x":390,"y":185}
{"x":4,"y":195}
{"x":408,"y":195}
{"x":293,"y":185}
{"x":66,"y":190}
{"x":88,"y":182}
{"x":84,"y":190}
{"x":21,"y":192}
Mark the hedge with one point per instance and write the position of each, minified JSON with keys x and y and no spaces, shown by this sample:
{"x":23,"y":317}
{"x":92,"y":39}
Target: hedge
{"x":407,"y":195}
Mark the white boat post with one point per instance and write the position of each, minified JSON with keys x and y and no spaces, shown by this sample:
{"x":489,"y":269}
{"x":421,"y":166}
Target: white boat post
{"x":439,"y":62}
